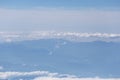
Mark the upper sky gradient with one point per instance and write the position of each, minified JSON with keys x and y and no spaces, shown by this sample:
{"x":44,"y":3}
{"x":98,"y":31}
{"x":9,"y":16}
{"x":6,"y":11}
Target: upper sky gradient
{"x":60,"y":15}
{"x":59,"y":3}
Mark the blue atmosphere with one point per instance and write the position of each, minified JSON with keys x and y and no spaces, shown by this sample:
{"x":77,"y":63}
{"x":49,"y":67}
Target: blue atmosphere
{"x":59,"y":39}
{"x":59,"y":3}
{"x":60,"y":15}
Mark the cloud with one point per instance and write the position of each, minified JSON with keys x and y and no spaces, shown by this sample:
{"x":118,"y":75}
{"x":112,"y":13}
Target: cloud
{"x":45,"y":75}
{"x":8,"y":75}
{"x":88,"y":20}
{"x":72,"y":36}
{"x":53,"y":78}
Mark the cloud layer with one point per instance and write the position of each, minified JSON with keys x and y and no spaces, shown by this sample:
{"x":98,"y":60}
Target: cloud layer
{"x":72,"y":36}
{"x":8,"y":75}
{"x":45,"y":75}
{"x":52,"y":78}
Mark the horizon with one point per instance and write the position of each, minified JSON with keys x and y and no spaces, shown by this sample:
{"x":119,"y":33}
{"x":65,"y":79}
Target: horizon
{"x":74,"y":15}
{"x":59,"y":39}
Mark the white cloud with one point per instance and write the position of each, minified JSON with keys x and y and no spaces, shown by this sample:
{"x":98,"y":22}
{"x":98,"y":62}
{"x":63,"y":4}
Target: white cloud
{"x":53,"y":78}
{"x":72,"y":36}
{"x":7,"y":75}
{"x":45,"y":75}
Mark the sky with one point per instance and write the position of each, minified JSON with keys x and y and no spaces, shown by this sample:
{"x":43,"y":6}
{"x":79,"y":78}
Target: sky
{"x":60,"y":15}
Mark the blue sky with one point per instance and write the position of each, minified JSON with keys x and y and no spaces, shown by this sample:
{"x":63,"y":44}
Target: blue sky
{"x":59,"y":3}
{"x":60,"y":15}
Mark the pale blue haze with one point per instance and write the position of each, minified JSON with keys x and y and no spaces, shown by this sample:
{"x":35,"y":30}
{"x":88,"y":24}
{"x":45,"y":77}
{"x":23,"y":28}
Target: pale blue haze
{"x":60,"y":15}
{"x":59,"y":40}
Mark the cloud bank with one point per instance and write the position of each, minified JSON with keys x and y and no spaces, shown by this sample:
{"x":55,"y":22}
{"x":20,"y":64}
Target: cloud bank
{"x":45,"y":75}
{"x":52,"y":78}
{"x":8,"y":75}
{"x":71,"y":36}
